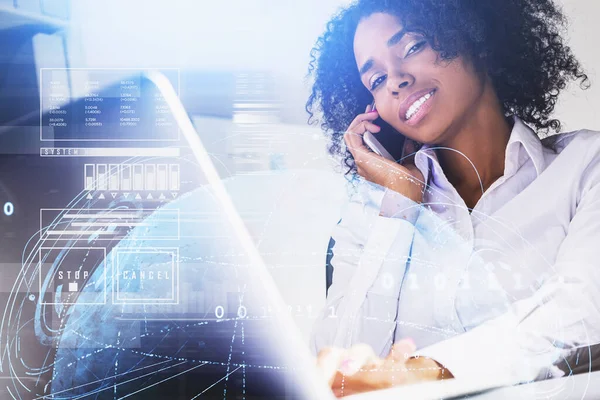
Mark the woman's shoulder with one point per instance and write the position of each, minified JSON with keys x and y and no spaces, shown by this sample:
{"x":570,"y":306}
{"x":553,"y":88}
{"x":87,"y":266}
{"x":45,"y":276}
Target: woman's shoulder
{"x":582,"y":139}
{"x":579,"y":152}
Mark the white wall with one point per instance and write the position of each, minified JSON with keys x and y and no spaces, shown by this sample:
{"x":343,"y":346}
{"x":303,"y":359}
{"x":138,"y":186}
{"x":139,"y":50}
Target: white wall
{"x":579,"y":108}
{"x":263,"y":34}
{"x":274,"y":35}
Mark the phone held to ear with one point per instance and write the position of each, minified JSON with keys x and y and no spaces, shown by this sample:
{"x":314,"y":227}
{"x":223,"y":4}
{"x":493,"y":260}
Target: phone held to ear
{"x":376,"y":146}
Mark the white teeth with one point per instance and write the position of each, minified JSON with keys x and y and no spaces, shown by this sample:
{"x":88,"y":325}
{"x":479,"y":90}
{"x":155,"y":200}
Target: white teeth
{"x":416,"y":105}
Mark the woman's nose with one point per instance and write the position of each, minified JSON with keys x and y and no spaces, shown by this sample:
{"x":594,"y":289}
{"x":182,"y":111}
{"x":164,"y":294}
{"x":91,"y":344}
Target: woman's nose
{"x":398,"y":82}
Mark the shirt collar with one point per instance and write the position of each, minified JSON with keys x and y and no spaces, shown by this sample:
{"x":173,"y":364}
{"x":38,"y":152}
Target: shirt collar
{"x":523,"y":144}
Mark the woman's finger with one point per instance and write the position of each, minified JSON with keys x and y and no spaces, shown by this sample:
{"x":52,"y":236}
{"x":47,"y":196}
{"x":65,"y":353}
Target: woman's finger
{"x":354,"y":138}
{"x":368,"y":116}
{"x":402,"y":349}
{"x":328,"y":362}
{"x":371,"y":127}
{"x":357,"y":357}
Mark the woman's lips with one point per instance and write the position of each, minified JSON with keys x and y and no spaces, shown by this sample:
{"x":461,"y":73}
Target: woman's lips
{"x":423,"y":109}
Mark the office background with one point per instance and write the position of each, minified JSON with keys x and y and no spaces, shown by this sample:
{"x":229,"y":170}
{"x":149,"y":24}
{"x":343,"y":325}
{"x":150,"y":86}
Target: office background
{"x":223,"y":49}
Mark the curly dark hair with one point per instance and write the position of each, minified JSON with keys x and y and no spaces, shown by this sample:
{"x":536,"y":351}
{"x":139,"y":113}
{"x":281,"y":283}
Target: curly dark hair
{"x":518,"y":43}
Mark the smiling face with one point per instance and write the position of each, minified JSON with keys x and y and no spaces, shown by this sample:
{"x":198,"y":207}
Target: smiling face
{"x":417,"y":93}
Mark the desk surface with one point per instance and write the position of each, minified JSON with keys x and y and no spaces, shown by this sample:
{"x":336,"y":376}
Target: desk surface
{"x":581,"y":386}
{"x":574,"y":387}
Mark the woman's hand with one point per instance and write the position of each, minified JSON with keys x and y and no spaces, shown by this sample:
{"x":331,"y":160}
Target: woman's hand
{"x":358,"y":369}
{"x":405,"y":179}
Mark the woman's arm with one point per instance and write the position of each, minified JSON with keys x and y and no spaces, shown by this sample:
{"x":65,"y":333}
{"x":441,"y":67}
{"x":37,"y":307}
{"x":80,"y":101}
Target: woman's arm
{"x":563,"y":315}
{"x":372,"y":246}
{"x":523,"y":342}
{"x":369,"y":259}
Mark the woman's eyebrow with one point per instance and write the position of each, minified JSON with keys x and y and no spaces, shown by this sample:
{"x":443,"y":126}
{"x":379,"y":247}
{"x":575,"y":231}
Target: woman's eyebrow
{"x":395,"y":39}
{"x":367,"y":66}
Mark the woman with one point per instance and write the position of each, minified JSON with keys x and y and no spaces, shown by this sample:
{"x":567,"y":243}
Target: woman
{"x":475,"y":256}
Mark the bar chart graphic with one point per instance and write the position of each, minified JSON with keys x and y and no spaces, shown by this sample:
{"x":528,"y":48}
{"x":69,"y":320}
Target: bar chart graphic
{"x":128,"y":177}
{"x":113,"y":177}
{"x":174,"y":177}
{"x":161,"y":177}
{"x":150,"y":177}
{"x":89,"y":173}
{"x":138,"y":177}
{"x":101,"y":177}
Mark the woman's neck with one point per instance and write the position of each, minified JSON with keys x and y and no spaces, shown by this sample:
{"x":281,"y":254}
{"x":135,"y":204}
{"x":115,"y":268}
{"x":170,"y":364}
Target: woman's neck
{"x":482,"y":140}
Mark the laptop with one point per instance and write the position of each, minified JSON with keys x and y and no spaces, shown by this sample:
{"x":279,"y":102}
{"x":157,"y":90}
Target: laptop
{"x":310,"y":385}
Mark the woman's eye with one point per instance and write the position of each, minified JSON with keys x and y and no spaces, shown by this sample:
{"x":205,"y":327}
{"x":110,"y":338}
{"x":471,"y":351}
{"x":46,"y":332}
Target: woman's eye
{"x":416,"y":47}
{"x":377,"y":82}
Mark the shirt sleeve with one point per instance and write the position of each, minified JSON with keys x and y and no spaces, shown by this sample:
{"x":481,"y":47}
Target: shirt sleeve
{"x":371,"y":250}
{"x":396,"y":205}
{"x":562,"y":316}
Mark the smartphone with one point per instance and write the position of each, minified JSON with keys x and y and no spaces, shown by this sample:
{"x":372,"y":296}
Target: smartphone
{"x":389,"y":142}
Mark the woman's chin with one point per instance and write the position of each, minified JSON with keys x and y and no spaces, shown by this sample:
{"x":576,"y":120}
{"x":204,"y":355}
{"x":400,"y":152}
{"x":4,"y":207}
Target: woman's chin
{"x":425,"y":136}
{"x":429,"y":132}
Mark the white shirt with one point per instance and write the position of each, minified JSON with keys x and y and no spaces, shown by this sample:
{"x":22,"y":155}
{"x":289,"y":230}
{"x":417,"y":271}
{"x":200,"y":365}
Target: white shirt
{"x":504,"y":291}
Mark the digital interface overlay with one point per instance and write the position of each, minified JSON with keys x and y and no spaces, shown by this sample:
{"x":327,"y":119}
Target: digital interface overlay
{"x":127,"y":277}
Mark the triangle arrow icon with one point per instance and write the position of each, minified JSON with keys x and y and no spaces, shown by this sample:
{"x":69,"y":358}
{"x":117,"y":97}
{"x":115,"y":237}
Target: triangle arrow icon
{"x":89,"y":197}
{"x":174,"y":194}
{"x":162,"y":196}
{"x":149,"y":196}
{"x":113,"y":194}
{"x":138,"y":197}
{"x":126,"y":195}
{"x":101,"y":196}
